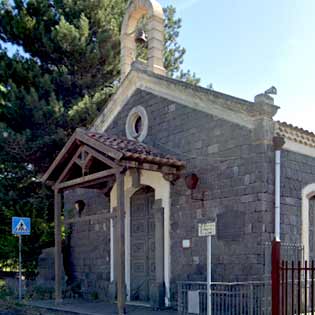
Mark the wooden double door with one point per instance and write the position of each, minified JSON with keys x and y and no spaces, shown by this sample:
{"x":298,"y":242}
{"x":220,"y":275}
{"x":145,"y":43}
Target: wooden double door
{"x":142,"y":254}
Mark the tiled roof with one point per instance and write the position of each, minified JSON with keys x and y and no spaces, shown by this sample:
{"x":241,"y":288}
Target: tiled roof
{"x":295,"y":134}
{"x":135,"y":150}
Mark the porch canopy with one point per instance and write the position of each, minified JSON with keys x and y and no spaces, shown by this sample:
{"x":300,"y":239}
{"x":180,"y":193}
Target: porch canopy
{"x":94,"y":160}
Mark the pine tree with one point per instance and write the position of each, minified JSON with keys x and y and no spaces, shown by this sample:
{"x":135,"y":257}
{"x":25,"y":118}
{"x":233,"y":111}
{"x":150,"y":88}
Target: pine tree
{"x":67,"y":70}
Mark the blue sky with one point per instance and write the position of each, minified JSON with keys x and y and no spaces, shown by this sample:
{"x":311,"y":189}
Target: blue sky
{"x":243,"y":47}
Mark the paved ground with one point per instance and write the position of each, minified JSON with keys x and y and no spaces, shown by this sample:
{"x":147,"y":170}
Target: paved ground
{"x":95,"y":308}
{"x":16,"y":309}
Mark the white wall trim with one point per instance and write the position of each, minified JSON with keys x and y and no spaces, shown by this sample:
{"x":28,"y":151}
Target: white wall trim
{"x":220,"y":107}
{"x":162,"y":191}
{"x":307,"y":193}
{"x":298,"y":148}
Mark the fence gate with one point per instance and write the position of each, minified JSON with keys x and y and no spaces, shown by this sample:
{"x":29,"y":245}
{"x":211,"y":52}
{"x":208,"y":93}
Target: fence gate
{"x":293,"y":287}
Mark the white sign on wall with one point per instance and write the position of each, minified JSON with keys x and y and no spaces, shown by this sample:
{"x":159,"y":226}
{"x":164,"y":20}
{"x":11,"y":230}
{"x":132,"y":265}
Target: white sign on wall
{"x":207,"y":229}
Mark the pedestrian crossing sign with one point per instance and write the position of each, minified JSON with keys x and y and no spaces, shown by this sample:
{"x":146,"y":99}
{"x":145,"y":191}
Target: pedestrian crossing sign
{"x":21,"y":226}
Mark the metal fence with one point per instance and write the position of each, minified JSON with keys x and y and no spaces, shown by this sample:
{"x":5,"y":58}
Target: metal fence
{"x":289,"y":252}
{"x":239,"y":298}
{"x":297,"y":288}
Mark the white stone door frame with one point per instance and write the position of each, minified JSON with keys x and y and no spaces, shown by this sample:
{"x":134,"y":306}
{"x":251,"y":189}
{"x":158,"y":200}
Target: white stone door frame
{"x":162,"y":191}
{"x":307,"y":193}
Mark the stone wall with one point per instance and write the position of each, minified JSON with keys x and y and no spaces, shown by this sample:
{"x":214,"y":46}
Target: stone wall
{"x":236,"y":171}
{"x":88,"y":242}
{"x":235,"y":165}
{"x":297,"y":171}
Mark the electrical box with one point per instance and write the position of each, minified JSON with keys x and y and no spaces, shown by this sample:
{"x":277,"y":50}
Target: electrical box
{"x":193,"y":302}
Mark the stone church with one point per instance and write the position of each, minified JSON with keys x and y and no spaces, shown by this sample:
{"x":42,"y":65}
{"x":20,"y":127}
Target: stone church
{"x":163,"y":156}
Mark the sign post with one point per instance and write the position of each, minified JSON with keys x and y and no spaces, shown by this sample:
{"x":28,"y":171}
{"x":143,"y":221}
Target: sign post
{"x":209,"y":274}
{"x":21,"y":226}
{"x":208,"y":229}
{"x":20,"y":267}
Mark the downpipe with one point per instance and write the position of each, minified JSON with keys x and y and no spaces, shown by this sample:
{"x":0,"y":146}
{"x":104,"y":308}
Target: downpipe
{"x":278,"y":143}
{"x":277,"y":194}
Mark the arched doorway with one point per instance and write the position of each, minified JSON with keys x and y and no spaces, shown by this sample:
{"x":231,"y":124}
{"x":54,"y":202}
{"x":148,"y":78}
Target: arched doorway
{"x":312,"y":228}
{"x":142,"y":244}
{"x":308,"y":221}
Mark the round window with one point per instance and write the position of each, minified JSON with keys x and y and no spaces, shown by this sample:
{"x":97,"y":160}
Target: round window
{"x":137,"y":124}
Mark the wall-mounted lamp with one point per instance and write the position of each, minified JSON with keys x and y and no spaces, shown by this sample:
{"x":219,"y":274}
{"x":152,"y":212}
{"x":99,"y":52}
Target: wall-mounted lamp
{"x":79,"y":206}
{"x":191,"y":181}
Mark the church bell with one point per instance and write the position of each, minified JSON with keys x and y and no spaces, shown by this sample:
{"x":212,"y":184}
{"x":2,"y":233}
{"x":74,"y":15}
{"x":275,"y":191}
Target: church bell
{"x":141,"y":37}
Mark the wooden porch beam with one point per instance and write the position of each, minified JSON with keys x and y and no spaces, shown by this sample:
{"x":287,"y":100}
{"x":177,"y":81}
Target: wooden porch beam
{"x":87,"y":163}
{"x":95,"y":182}
{"x":58,"y":249}
{"x":120,"y":258}
{"x":85,"y":179}
{"x":105,"y":216}
{"x":149,"y":167}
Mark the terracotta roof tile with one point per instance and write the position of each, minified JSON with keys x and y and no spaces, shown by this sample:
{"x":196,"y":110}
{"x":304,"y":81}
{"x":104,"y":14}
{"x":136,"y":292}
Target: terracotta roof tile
{"x":135,"y":150}
{"x":295,"y":134}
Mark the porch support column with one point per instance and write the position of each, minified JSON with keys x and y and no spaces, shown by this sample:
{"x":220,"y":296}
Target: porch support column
{"x":159,"y":294}
{"x":120,"y":258}
{"x":116,"y":238}
{"x":58,"y":254}
{"x":112,"y":289}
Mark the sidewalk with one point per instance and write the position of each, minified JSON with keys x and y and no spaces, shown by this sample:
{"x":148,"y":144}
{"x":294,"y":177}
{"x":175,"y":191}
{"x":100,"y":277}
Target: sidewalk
{"x":94,"y":308}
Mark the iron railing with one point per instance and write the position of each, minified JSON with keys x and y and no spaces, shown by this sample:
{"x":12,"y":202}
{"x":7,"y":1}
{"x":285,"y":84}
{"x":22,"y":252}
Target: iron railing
{"x":238,"y":298}
{"x":297,"y":288}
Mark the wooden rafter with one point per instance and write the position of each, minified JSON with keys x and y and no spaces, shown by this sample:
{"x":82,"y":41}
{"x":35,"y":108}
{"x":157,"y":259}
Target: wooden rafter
{"x":87,"y":163}
{"x":60,"y":157}
{"x":100,"y":156}
{"x":70,"y":164}
{"x":84,"y":163}
{"x":79,"y":137}
{"x":98,"y":145}
{"x":87,"y":179}
{"x":101,"y":148}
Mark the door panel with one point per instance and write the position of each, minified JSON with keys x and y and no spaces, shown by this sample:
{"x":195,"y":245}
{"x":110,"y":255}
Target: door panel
{"x":142,"y":244}
{"x":312,"y":228}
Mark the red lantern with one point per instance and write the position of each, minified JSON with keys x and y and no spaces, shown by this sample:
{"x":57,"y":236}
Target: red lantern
{"x":191,"y":181}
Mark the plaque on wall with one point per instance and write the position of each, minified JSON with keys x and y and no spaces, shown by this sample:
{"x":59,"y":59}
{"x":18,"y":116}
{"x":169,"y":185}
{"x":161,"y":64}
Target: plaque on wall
{"x":230,"y":225}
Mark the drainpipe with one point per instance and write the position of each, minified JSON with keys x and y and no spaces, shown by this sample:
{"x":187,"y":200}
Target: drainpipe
{"x":278,"y":143}
{"x":277,"y":194}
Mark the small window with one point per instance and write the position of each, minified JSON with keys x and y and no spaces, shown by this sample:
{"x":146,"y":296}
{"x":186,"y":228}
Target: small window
{"x":137,"y":124}
{"x":79,"y":206}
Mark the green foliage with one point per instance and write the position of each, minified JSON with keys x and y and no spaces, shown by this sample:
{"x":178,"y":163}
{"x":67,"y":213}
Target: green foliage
{"x":188,"y":77}
{"x":6,"y":293}
{"x":68,"y":69}
{"x":22,"y":195}
{"x":38,"y":292}
{"x":2,"y":93}
{"x":173,"y":53}
{"x":94,"y":296}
